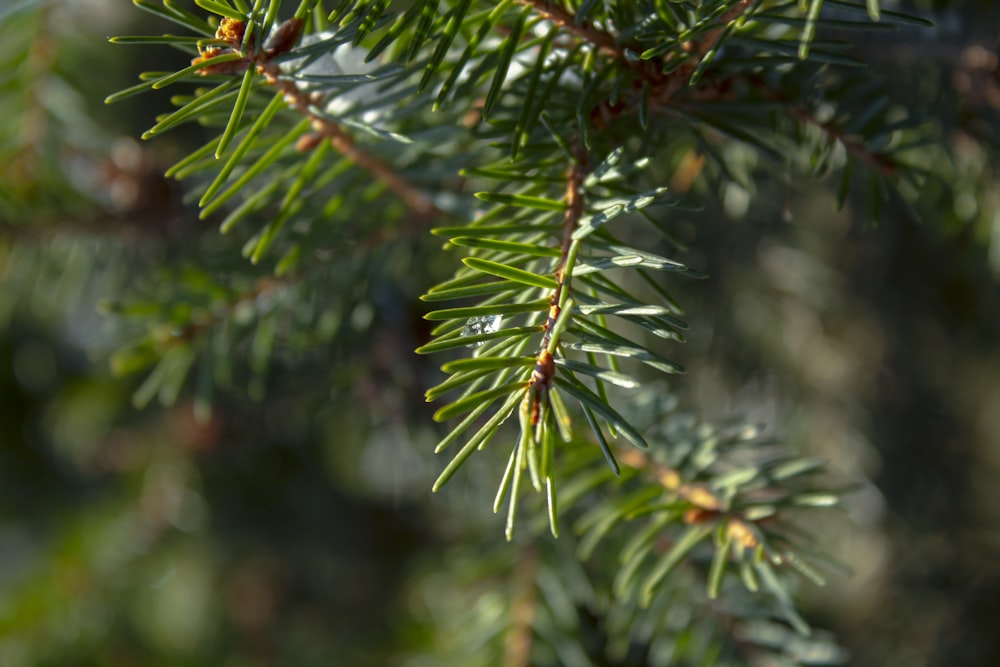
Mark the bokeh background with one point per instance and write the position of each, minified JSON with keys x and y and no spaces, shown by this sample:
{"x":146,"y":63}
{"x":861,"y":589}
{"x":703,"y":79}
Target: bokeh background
{"x":294,"y":526}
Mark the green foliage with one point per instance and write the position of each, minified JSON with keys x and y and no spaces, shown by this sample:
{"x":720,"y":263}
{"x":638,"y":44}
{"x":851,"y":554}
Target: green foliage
{"x":539,"y":600}
{"x":537,"y":139}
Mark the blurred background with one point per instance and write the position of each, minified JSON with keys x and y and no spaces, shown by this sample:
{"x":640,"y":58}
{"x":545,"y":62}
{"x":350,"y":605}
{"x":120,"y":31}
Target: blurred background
{"x":292,"y":523}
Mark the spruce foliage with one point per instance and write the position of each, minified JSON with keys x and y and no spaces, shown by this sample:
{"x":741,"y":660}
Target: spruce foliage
{"x":542,"y":142}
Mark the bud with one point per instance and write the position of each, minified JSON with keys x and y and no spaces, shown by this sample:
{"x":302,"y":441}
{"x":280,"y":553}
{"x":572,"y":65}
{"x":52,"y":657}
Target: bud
{"x":232,"y":31}
{"x":229,"y":67}
{"x":307,"y":142}
{"x":284,"y":38}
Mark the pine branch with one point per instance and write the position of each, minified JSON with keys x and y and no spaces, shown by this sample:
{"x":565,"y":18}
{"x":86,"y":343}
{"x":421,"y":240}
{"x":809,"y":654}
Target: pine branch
{"x":658,"y":81}
{"x":625,"y":529}
{"x":543,"y":383}
{"x":697,"y":49}
{"x":876,"y":161}
{"x":263,"y":61}
{"x":855,"y":147}
{"x":523,"y":280}
{"x":697,"y":512}
{"x":699,"y":495}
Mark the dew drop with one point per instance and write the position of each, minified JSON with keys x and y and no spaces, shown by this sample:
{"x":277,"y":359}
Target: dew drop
{"x":481,"y":325}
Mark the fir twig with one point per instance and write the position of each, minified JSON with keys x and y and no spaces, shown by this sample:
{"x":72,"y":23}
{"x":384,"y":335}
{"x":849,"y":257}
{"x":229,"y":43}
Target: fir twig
{"x":856,"y":148}
{"x":699,"y":48}
{"x":542,"y":376}
{"x":301,"y":101}
{"x":585,"y":31}
{"x":345,"y":144}
{"x":697,"y":494}
{"x":658,"y":87}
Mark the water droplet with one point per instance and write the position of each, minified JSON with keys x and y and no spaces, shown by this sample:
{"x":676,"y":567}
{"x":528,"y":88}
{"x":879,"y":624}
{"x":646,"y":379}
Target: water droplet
{"x":481,"y":325}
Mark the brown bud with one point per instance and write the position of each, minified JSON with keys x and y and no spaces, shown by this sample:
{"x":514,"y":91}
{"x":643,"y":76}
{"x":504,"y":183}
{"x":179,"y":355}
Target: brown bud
{"x":284,"y":38}
{"x":545,"y":369}
{"x":307,"y":142}
{"x":697,"y":515}
{"x":741,"y":534}
{"x":208,"y":52}
{"x":232,"y":31}
{"x":701,"y":497}
{"x":228,"y":67}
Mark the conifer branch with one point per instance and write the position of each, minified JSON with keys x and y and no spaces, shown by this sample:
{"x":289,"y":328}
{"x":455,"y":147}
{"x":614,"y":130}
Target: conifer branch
{"x":697,"y":494}
{"x":262,"y":287}
{"x":706,"y":505}
{"x":263,"y":60}
{"x":662,"y":87}
{"x":574,"y":210}
{"x":877,"y":162}
{"x":676,"y":79}
{"x":648,"y":70}
{"x":712,"y":504}
{"x":345,"y":144}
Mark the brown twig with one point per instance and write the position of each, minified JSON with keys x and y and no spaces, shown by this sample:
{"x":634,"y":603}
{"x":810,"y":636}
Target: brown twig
{"x":555,"y":12}
{"x":705,"y":505}
{"x":854,"y":147}
{"x":649,"y":73}
{"x":675,"y":80}
{"x":696,"y":494}
{"x":344,"y":143}
{"x":666,"y":87}
{"x":544,"y":371}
